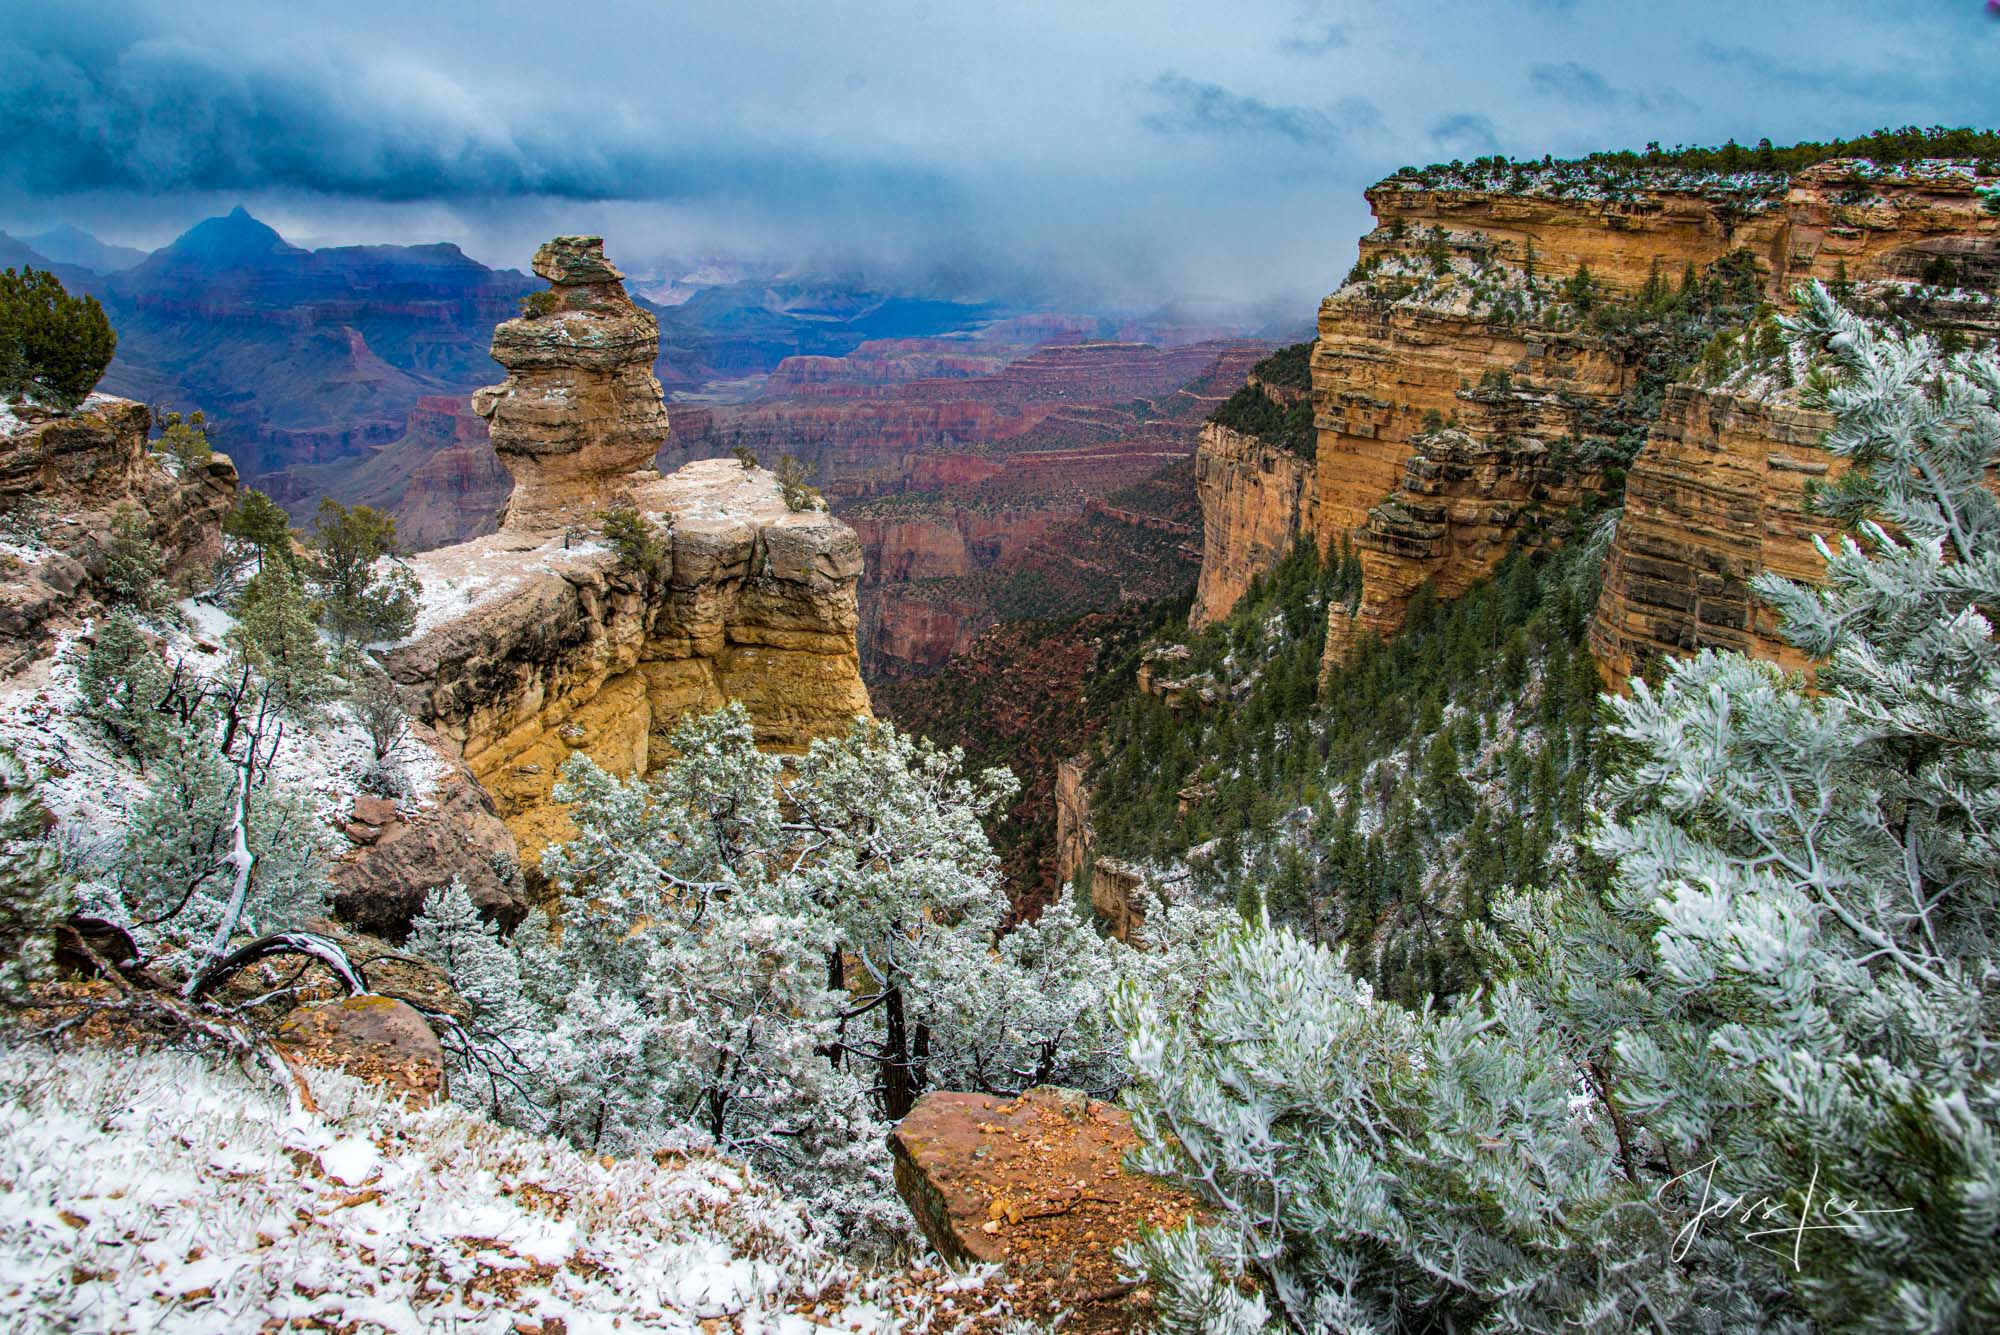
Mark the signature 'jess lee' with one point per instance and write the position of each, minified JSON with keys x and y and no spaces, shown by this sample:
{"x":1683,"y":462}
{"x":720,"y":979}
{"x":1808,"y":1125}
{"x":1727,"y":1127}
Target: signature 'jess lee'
{"x":1836,"y":1215}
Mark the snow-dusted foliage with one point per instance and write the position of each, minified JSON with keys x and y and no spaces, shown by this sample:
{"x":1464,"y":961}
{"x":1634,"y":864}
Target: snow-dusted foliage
{"x":33,"y":890}
{"x":160,"y":1192}
{"x":778,"y":965}
{"x":1375,"y":1168}
{"x":1750,"y":1079}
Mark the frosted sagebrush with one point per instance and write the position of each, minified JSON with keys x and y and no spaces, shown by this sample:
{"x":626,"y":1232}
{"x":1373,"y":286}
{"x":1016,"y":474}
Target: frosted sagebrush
{"x":1783,"y":998}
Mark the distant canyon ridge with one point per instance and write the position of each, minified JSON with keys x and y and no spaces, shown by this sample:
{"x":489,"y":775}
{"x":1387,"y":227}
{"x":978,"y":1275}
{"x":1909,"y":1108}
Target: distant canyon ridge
{"x":996,"y":463}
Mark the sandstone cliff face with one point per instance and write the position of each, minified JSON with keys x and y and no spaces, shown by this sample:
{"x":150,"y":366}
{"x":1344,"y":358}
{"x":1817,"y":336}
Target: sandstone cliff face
{"x":1256,"y":502}
{"x":1075,"y":838}
{"x":63,"y":481}
{"x":1463,"y":504}
{"x":551,"y":651}
{"x":579,"y":417}
{"x":1418,"y":501}
{"x":1457,"y":339}
{"x":1716,"y":495}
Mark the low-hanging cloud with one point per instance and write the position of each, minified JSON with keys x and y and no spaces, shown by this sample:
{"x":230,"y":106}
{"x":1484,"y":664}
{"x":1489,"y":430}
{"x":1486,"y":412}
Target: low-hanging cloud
{"x":1466,"y":132}
{"x":1188,"y":106}
{"x":1579,"y":85}
{"x":1316,"y":39}
{"x":1223,"y":153}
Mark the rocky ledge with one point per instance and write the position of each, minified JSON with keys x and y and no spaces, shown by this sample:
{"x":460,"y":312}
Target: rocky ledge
{"x":63,"y":481}
{"x":1038,"y":1185}
{"x":532,"y":648}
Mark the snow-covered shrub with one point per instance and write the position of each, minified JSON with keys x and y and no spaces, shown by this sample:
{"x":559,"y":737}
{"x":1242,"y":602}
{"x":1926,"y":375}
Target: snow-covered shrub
{"x":177,"y":869}
{"x":1751,"y":1081}
{"x":33,"y":892}
{"x":778,"y":966}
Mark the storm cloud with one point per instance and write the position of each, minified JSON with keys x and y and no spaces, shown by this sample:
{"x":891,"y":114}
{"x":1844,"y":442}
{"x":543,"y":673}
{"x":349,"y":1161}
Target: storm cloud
{"x":1115,"y":153}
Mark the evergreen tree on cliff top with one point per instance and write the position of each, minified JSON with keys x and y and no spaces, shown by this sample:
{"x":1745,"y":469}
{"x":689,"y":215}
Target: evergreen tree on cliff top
{"x":1751,"y":1083}
{"x":53,"y":347}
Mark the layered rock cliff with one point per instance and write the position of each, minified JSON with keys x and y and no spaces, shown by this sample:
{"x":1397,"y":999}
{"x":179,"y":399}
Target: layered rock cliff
{"x":1257,"y":500}
{"x":63,"y":482}
{"x":580,"y":416}
{"x":531,"y":651}
{"x":1467,"y":395}
{"x":1717,"y":495}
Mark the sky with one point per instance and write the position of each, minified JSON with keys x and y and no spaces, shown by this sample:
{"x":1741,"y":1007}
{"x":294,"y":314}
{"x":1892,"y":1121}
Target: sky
{"x":1100,"y":154}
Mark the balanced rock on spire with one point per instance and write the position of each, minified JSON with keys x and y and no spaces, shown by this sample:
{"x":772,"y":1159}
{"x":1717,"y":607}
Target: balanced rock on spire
{"x":579,"y":417}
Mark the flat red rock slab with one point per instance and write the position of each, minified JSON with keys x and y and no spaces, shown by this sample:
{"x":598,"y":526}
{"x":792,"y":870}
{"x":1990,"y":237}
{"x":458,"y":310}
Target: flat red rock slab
{"x":1036,"y":1184}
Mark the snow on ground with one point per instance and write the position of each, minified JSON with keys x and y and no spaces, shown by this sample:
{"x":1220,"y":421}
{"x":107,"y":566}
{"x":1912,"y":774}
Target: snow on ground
{"x":162,"y":1192}
{"x":458,"y":580}
{"x":92,"y":789}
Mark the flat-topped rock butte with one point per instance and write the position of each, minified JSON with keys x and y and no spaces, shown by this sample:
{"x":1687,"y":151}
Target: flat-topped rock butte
{"x":530,"y":650}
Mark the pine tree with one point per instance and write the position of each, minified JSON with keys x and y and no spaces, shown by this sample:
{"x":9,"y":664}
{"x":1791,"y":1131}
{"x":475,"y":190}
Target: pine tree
{"x":34,"y":893}
{"x":120,"y":686}
{"x":53,"y":346}
{"x":133,"y":565}
{"x":173,"y":871}
{"x":275,"y":634}
{"x":360,"y":598}
{"x":258,"y":521}
{"x":450,"y":932}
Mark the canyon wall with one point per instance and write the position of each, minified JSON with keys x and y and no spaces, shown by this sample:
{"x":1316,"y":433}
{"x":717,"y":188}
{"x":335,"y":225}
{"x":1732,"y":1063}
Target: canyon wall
{"x":1459,"y":391}
{"x":1440,"y":426}
{"x":1257,"y":500}
{"x":63,"y":483}
{"x":1717,"y":495}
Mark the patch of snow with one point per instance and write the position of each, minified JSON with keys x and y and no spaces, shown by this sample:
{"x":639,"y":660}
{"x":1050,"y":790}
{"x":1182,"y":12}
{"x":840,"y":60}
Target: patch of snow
{"x":92,"y":789}
{"x":455,"y":581}
{"x":160,"y":1192}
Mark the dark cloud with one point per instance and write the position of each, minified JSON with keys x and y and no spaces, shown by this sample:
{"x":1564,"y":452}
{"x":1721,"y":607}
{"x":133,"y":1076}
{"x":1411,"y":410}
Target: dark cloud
{"x":1466,"y":132}
{"x":1573,"y":83}
{"x":1838,"y":78}
{"x":1036,"y":144}
{"x":1582,"y":86}
{"x":163,"y":115}
{"x":1188,"y":106}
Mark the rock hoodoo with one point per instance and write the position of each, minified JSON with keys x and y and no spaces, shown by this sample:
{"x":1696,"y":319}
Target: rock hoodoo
{"x":580,"y":415}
